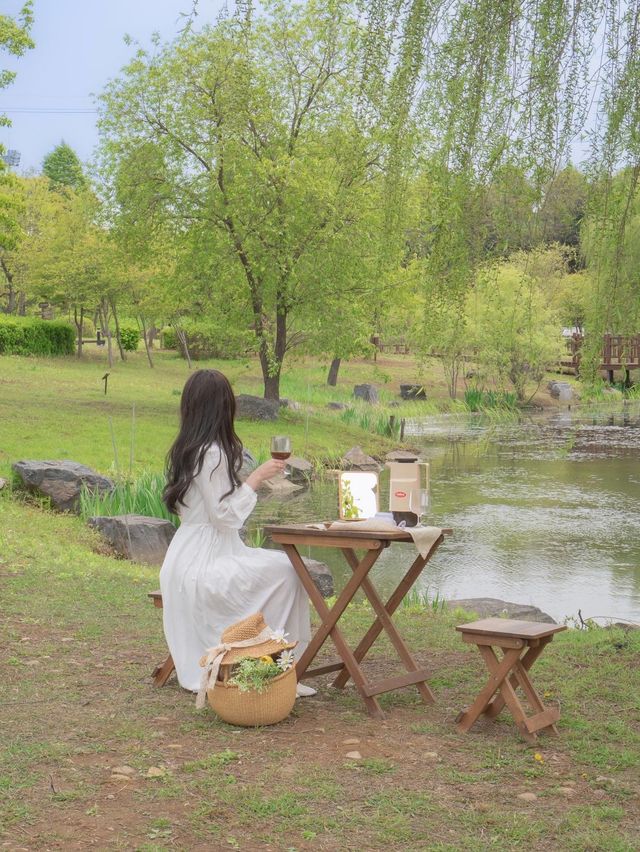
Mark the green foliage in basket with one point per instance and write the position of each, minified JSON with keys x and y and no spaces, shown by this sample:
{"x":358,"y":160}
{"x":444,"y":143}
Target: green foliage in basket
{"x":257,"y":674}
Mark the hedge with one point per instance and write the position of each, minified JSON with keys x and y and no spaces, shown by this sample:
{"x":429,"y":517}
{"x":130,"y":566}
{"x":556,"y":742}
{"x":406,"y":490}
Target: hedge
{"x":31,"y":336}
{"x":208,"y":340}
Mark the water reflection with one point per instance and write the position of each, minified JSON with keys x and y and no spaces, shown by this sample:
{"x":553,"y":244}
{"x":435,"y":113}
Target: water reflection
{"x":545,"y":511}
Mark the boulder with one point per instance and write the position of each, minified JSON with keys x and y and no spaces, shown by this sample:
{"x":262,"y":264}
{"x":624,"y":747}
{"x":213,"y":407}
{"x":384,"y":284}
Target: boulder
{"x":3,"y":483}
{"x":401,"y":456}
{"x":291,"y":404}
{"x":249,"y":464}
{"x":367,"y":393}
{"x":299,"y":470}
{"x":412,"y":392}
{"x":337,"y":406}
{"x":494,"y":608}
{"x":561,"y":390}
{"x":321,"y":576}
{"x":279,"y":486}
{"x":61,"y":481}
{"x":256,"y":408}
{"x":136,"y":537}
{"x":356,"y":459}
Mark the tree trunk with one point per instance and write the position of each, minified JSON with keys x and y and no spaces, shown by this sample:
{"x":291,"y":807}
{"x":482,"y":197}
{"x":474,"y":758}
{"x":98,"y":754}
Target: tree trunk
{"x":182,"y":337}
{"x":22,"y":303}
{"x":11,"y":293}
{"x":123,"y":357}
{"x":147,"y":344}
{"x":79,"y":329}
{"x":106,"y":331}
{"x":332,"y":378}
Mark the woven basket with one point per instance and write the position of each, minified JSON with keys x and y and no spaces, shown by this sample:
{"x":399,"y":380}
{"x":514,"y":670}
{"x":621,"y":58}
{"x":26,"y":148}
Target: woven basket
{"x":252,"y":709}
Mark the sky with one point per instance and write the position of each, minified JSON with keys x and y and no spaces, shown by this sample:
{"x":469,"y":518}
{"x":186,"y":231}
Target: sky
{"x":79,"y":47}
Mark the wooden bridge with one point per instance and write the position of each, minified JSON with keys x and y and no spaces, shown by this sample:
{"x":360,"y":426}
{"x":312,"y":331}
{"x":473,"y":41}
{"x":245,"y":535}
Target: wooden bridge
{"x":619,"y":352}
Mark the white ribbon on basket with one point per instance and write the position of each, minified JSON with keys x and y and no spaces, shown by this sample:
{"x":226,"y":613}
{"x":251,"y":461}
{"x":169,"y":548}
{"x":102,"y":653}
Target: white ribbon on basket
{"x":213,"y":659}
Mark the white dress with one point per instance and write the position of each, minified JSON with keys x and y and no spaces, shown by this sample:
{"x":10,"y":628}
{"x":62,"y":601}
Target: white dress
{"x":210,"y":579}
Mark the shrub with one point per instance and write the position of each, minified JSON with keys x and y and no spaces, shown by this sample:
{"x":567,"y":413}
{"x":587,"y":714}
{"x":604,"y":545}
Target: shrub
{"x":168,"y":338}
{"x":31,"y":336}
{"x":205,"y":339}
{"x":129,"y":337}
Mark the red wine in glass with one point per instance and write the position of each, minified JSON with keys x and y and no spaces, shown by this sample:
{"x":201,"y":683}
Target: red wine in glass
{"x":280,"y":447}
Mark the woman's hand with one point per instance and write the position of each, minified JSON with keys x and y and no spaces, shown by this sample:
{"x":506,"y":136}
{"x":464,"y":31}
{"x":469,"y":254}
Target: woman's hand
{"x":270,"y":468}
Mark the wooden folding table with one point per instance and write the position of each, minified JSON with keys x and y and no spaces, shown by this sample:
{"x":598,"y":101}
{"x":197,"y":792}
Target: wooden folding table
{"x":294,"y":536}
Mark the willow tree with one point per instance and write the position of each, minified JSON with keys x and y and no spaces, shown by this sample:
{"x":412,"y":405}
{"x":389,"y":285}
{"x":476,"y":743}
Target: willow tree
{"x":244,"y":141}
{"x":491,"y":82}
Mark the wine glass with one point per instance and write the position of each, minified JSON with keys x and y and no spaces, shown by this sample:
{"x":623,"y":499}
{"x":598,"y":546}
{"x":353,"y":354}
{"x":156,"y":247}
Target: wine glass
{"x":424,"y":506}
{"x":281,"y":448}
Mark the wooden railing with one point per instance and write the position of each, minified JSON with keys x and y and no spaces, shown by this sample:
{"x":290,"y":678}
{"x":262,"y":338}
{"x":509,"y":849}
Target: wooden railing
{"x":618,"y":351}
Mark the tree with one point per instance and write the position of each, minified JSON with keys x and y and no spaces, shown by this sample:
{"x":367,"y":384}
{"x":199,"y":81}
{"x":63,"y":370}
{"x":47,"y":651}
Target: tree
{"x":245,"y":141}
{"x":15,"y":39}
{"x":512,"y":327}
{"x":63,"y":168}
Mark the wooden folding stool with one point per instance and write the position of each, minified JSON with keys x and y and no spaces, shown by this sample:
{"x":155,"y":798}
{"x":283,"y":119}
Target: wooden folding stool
{"x":521,"y":643}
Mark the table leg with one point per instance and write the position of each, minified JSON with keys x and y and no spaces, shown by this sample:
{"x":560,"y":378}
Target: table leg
{"x":329,"y":620}
{"x":390,"y":628}
{"x":390,"y":607}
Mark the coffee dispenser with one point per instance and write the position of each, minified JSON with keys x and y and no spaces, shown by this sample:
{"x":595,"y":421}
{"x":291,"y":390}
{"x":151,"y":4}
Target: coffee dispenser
{"x":408,"y":489}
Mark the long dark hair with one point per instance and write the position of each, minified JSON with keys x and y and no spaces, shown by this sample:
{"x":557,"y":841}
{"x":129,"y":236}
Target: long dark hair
{"x":207,"y":410}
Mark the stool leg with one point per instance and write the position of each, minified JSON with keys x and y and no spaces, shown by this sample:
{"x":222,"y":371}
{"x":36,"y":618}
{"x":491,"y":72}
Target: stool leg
{"x":497,"y":675}
{"x":162,"y":672}
{"x":507,"y":692}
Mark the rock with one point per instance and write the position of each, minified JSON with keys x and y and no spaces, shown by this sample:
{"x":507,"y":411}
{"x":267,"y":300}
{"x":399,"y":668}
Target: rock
{"x":561,"y":390}
{"x":299,"y":470}
{"x":351,"y":741}
{"x":117,"y":777}
{"x":249,"y":464}
{"x":354,"y":755}
{"x":527,"y":797}
{"x":567,"y":791}
{"x":155,"y":772}
{"x":321,"y":576}
{"x":337,"y":406}
{"x":123,"y":770}
{"x":3,"y":483}
{"x":61,"y":481}
{"x":430,"y":755}
{"x":279,"y":486}
{"x":136,"y":537}
{"x":603,"y":779}
{"x":367,"y":393}
{"x":355,"y":459}
{"x":291,"y":404}
{"x":401,"y":456}
{"x":256,"y":408}
{"x":412,"y":392}
{"x":492,"y":608}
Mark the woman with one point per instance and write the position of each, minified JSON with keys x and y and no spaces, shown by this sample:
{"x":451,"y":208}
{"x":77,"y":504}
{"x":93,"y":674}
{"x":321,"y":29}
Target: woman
{"x":210,"y":578}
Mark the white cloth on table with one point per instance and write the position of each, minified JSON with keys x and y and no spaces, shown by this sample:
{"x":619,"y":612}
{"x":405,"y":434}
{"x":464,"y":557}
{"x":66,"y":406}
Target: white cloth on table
{"x":423,"y":537}
{"x":210,"y":579}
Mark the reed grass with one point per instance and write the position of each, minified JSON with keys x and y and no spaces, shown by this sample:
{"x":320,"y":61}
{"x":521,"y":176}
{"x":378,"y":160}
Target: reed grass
{"x":372,"y":420}
{"x":139,"y":496}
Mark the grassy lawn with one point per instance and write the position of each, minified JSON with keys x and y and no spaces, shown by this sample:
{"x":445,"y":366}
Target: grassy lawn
{"x":56,"y":408}
{"x":93,"y":756}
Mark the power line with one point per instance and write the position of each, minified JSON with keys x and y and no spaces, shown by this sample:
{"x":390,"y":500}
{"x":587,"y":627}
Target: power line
{"x":49,"y":110}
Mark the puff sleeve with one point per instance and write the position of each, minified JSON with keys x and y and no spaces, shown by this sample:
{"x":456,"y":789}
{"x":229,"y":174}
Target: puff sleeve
{"x":213,"y":481}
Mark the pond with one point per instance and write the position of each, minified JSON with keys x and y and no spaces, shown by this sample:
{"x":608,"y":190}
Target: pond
{"x":545,"y":511}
